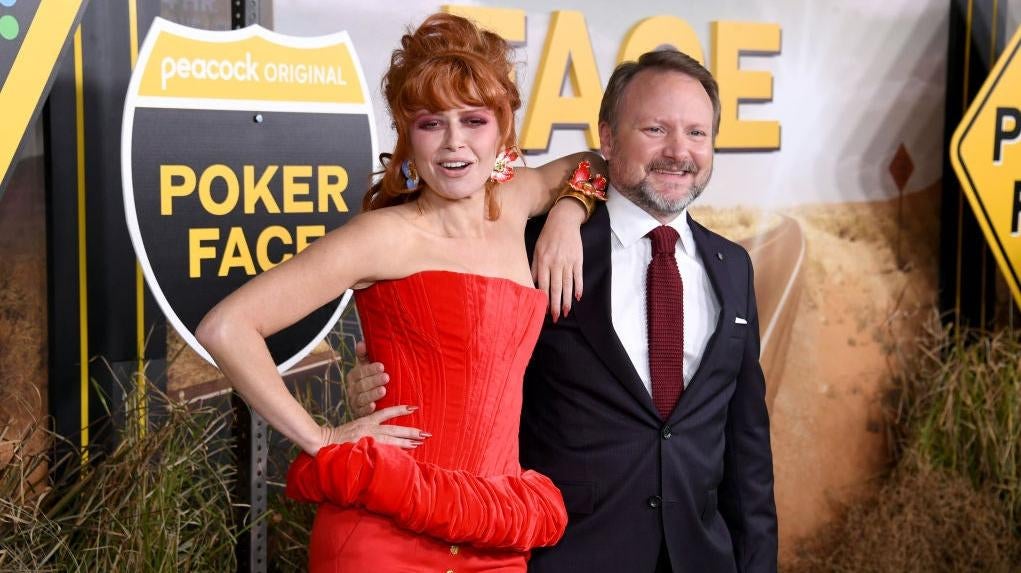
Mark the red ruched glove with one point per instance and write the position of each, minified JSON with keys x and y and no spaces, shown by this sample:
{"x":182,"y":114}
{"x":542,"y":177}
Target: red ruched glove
{"x":504,"y":511}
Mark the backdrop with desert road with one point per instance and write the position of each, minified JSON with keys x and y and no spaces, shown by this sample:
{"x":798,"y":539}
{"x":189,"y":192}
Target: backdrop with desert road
{"x":831,"y":170}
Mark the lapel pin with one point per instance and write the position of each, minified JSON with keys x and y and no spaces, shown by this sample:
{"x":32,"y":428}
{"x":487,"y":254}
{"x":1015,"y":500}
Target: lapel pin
{"x":719,"y":256}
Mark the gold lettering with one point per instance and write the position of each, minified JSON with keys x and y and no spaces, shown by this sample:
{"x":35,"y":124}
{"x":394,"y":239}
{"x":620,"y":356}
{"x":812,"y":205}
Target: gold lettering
{"x":169,"y":190}
{"x":567,"y":51}
{"x":197,"y":252}
{"x":262,"y":246}
{"x":332,"y":182}
{"x":656,"y":31}
{"x":294,"y":188}
{"x":729,"y":40}
{"x":306,"y":233}
{"x":230,"y":200}
{"x":236,"y":254}
{"x":258,"y":190}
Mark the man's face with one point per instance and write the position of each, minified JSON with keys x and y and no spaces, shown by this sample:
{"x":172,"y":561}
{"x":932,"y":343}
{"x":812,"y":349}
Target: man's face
{"x":660,"y":153}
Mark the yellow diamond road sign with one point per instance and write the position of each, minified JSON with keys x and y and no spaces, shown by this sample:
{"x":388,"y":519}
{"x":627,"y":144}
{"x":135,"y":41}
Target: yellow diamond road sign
{"x":986,"y":154}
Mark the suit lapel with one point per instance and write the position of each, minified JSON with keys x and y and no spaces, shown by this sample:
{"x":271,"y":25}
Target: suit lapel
{"x":593,"y":310}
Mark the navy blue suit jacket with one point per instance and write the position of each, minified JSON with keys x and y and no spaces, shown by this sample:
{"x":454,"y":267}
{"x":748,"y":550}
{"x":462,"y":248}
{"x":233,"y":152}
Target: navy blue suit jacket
{"x":701,"y":481}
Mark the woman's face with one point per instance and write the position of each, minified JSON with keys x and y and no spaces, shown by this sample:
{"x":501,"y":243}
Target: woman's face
{"x":454,"y":150}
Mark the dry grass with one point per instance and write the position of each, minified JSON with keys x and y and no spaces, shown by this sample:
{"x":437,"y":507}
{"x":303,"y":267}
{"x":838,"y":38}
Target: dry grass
{"x":159,"y":502}
{"x":952,"y":502}
{"x":162,"y":501}
{"x":923,"y":520}
{"x":959,"y":408}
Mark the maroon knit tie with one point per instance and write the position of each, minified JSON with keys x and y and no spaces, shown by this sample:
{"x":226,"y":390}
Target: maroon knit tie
{"x":666,"y":321}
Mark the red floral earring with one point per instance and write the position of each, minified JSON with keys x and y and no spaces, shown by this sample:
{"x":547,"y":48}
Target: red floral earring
{"x":503,"y":171}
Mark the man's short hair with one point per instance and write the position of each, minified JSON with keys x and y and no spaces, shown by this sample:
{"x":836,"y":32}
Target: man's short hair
{"x":666,"y":60}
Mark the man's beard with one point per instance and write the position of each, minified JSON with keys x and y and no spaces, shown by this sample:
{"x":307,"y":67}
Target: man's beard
{"x":643,"y":195}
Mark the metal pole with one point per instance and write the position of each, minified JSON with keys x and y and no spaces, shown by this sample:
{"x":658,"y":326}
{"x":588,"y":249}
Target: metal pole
{"x":244,"y":13}
{"x":250,"y":435}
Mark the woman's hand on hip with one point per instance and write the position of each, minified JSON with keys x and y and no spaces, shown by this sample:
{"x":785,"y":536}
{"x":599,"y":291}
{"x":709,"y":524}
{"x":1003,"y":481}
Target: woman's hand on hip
{"x":374,"y":426}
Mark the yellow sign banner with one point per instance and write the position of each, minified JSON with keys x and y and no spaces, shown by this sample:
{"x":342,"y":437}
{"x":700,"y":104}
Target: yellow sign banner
{"x":250,"y":64}
{"x":986,"y":155}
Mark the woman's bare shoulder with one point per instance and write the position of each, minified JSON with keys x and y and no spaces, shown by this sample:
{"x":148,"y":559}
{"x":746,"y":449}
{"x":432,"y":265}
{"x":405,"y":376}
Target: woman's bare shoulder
{"x":377,"y":225}
{"x":517,"y":195}
{"x":377,"y":242}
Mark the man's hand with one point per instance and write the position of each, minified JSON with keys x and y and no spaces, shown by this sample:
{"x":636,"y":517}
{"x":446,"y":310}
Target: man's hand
{"x":557,"y":261}
{"x":366,"y":383}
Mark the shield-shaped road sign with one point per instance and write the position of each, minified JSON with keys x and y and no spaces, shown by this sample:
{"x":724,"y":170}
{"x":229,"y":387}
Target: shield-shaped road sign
{"x":238,"y":149}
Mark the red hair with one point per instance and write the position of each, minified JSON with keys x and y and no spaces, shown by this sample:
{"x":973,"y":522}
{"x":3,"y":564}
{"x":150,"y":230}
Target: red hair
{"x":447,"y":62}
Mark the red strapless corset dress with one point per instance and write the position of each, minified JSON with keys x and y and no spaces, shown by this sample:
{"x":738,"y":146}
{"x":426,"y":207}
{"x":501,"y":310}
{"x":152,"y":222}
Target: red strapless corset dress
{"x":456,"y":345}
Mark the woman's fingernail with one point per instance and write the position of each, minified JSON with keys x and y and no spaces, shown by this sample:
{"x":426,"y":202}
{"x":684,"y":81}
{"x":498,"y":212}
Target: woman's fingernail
{"x":566,"y":311}
{"x":425,"y":434}
{"x":412,"y":408}
{"x":577,"y":295}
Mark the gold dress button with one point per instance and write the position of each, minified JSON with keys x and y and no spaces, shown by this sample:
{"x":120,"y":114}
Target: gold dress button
{"x":453,"y":551}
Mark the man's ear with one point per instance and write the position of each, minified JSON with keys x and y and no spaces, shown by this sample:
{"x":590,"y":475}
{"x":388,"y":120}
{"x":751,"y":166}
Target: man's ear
{"x":605,"y":140}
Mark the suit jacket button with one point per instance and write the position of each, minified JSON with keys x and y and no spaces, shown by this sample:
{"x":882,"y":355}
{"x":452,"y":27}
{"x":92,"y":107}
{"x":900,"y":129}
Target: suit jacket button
{"x":654,"y":501}
{"x":667,"y":432}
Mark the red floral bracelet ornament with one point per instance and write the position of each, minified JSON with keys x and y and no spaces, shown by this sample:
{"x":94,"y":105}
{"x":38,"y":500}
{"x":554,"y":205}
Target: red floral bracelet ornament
{"x":583,"y":181}
{"x":585,"y":188}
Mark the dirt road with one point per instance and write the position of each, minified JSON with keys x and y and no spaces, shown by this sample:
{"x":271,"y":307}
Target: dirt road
{"x":777,"y":255}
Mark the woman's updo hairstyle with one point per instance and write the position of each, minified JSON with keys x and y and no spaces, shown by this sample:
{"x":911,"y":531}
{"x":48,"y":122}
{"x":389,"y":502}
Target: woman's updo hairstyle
{"x":447,"y":62}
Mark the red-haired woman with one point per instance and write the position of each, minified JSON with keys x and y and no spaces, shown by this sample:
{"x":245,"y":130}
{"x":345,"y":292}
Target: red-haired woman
{"x":446,"y":299}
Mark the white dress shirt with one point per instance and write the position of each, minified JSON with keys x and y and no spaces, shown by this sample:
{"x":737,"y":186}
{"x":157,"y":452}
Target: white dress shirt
{"x":630,"y":254}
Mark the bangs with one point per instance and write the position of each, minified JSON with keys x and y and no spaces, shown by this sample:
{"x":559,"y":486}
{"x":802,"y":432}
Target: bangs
{"x":451,"y":82}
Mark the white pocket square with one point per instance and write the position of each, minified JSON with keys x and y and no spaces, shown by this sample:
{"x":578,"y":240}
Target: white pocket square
{"x":739,"y":320}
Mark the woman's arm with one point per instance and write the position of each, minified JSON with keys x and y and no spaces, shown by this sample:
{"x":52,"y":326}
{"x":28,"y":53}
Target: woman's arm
{"x":234,"y":331}
{"x":539,"y":187}
{"x":508,"y":511}
{"x":557,"y":260}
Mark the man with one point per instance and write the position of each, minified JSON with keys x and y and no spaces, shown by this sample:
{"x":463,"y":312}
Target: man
{"x":646,"y":404}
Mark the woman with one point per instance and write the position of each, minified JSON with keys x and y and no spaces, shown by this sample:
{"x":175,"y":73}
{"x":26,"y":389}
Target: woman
{"x":445,"y":294}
